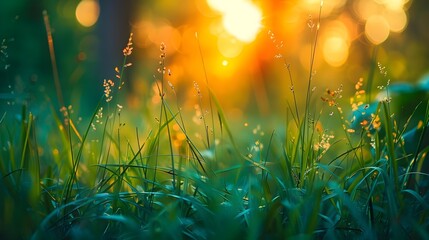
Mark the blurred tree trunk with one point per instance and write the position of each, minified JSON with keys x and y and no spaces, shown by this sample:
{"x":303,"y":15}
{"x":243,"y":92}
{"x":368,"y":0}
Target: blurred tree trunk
{"x":114,"y":27}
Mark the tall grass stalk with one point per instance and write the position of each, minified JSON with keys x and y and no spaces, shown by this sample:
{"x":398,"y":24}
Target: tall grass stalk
{"x":55,"y":73}
{"x":210,"y":101}
{"x":105,"y":184}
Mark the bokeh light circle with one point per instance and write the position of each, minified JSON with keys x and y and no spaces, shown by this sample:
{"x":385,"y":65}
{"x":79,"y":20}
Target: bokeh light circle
{"x":397,"y":20}
{"x":377,"y":29}
{"x":87,"y":12}
{"x":335,"y":51}
{"x":218,"y":5}
{"x":240,"y":18}
{"x":243,"y":22}
{"x":365,"y":9}
{"x":229,"y":46}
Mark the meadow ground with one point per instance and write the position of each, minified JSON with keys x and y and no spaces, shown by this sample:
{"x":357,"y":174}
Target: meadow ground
{"x":348,"y":162}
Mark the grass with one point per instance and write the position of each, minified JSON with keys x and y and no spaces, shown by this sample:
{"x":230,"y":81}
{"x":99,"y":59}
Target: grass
{"x":99,"y":181}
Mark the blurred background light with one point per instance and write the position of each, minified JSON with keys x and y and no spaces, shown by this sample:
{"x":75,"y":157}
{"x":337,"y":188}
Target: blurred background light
{"x":328,"y":6}
{"x":149,"y":34}
{"x":365,"y":8}
{"x":336,"y":41}
{"x":380,"y":12}
{"x":219,"y":5}
{"x":87,"y":12}
{"x":397,"y":20}
{"x":392,"y":4}
{"x":377,"y":29}
{"x":229,"y":46}
{"x":240,"y":18}
{"x":335,"y":51}
{"x":235,"y":44}
{"x":167,"y":34}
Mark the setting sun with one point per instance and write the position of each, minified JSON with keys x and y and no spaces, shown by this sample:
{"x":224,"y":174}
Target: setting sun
{"x":214,"y":119}
{"x":240,"y":18}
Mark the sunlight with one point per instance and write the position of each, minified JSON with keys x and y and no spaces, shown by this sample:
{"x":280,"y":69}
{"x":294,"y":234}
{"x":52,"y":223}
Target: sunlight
{"x":228,"y":46}
{"x":243,"y":21}
{"x":207,"y":119}
{"x":240,"y":18}
{"x":328,"y":6}
{"x":87,"y":12}
{"x":393,"y":4}
{"x":382,"y":17}
{"x":335,"y":51}
{"x":377,"y":29}
{"x":364,"y":8}
{"x":219,"y":5}
{"x":397,"y":20}
{"x":336,"y":40}
{"x":152,"y":33}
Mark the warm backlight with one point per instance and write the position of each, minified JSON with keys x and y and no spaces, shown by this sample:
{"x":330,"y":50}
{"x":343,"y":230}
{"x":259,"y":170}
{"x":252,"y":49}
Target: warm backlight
{"x":335,"y":40}
{"x":377,"y":29}
{"x":335,"y":51}
{"x":393,"y":4}
{"x":228,"y":46}
{"x":397,"y":20}
{"x":382,"y":17}
{"x":87,"y":12}
{"x":240,"y":18}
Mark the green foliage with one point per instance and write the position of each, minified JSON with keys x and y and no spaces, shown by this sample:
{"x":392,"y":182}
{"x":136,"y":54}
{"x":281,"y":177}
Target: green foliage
{"x":102,"y":184}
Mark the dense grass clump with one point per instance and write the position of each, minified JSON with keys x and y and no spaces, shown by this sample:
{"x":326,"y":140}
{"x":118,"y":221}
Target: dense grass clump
{"x":96,"y":180}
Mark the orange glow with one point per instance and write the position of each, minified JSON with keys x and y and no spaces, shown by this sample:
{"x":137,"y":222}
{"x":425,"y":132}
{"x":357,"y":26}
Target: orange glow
{"x":382,"y":16}
{"x":353,"y":30}
{"x":204,"y":8}
{"x":228,"y":46}
{"x":397,"y":20}
{"x":234,"y":62}
{"x":147,"y":32}
{"x":167,"y":34}
{"x":366,"y":8}
{"x":141,"y":31}
{"x":328,"y":6}
{"x":240,"y":18}
{"x":218,"y":5}
{"x":377,"y":29}
{"x":393,"y":4}
{"x":337,"y":28}
{"x":87,"y":12}
{"x":335,"y":51}
{"x":243,"y":21}
{"x":304,"y":57}
{"x":336,"y":40}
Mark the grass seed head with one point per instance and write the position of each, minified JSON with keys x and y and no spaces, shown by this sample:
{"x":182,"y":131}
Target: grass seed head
{"x":128,"y":50}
